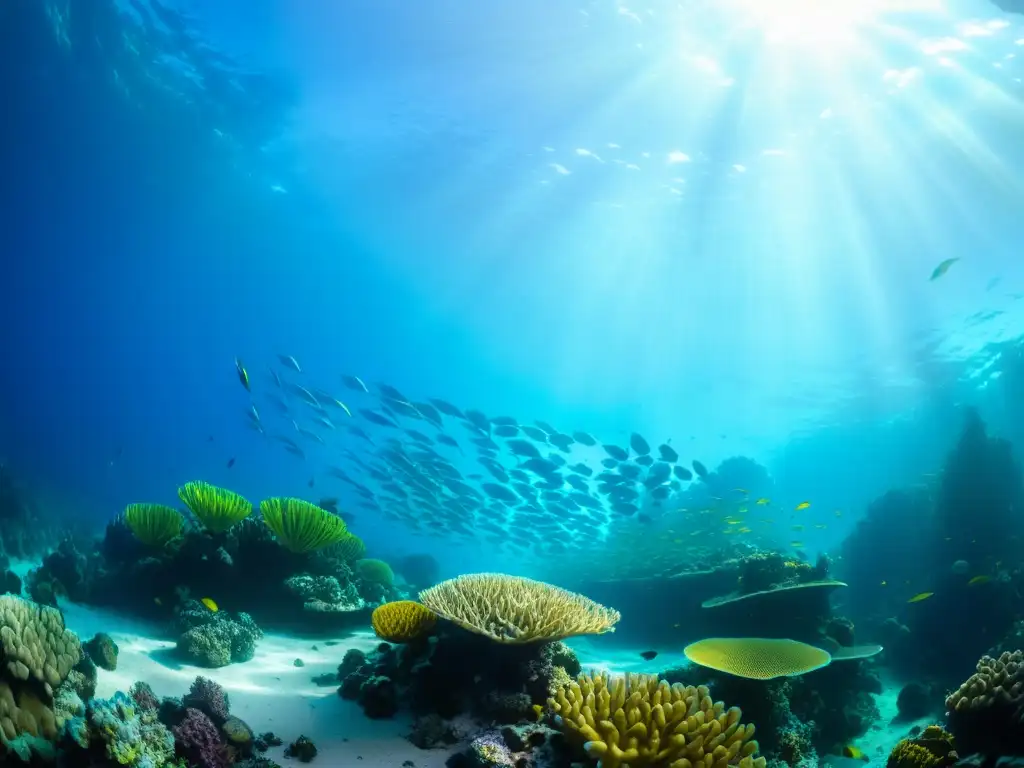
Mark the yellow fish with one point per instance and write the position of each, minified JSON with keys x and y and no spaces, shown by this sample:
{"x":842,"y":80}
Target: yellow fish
{"x":920,"y":596}
{"x":208,"y":602}
{"x":853,"y":752}
{"x":797,"y":544}
{"x":803,"y":505}
{"x":943,"y":268}
{"x":979,"y":580}
{"x":538,"y":710}
{"x":763,"y":501}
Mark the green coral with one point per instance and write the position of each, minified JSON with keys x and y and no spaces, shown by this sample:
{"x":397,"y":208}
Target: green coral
{"x":301,"y":526}
{"x":153,"y":524}
{"x":216,"y":508}
{"x":375,"y":571}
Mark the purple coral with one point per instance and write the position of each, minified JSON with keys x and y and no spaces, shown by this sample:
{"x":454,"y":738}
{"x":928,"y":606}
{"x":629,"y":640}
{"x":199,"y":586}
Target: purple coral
{"x":197,"y":739}
{"x":143,"y":696}
{"x":209,"y":698}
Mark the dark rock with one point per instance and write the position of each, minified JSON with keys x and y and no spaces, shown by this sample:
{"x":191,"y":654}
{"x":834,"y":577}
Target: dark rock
{"x":915,"y":701}
{"x":302,"y":749}
{"x":103,"y":651}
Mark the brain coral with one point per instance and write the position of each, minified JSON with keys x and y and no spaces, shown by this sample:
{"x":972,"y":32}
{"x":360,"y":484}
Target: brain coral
{"x":36,"y":654}
{"x":402,"y":621}
{"x":511,"y":609}
{"x":984,"y":711}
{"x":640,"y":721}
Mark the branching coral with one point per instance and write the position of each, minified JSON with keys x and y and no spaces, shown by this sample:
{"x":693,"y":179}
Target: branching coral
{"x":216,"y":508}
{"x":511,"y":609}
{"x":402,"y":621}
{"x":640,"y":721}
{"x":301,"y":526}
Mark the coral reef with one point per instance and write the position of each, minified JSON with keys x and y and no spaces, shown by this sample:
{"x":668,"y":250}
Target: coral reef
{"x":512,"y":609}
{"x":457,"y":673}
{"x":301,"y":526}
{"x":639,"y":720}
{"x":215,"y":638}
{"x":217,"y":509}
{"x":985,"y":711}
{"x":933,"y":748}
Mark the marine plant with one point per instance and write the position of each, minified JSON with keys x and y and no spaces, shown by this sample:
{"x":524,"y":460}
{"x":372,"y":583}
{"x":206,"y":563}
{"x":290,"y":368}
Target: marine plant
{"x":513,"y":609}
{"x":376,"y":571}
{"x":301,"y":526}
{"x":216,"y":508}
{"x":154,"y":524}
{"x":402,"y":621}
{"x":757,"y":658}
{"x":643,"y":722}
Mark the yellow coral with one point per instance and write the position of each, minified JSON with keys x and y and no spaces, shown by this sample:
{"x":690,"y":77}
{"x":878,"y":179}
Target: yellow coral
{"x":402,"y":621}
{"x":757,"y":658}
{"x":934,"y":748}
{"x":640,"y":721}
{"x":512,"y":609}
{"x":153,"y":524}
{"x":995,"y":681}
{"x":301,"y":526}
{"x":216,"y":508}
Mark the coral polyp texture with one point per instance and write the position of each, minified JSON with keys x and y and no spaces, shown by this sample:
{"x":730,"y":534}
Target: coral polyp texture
{"x":984,"y":712}
{"x":153,"y":524}
{"x":512,"y":609}
{"x":37,"y":654}
{"x":934,"y":748}
{"x":402,"y":621}
{"x":301,"y":526}
{"x":216,"y":508}
{"x":640,"y":721}
{"x":757,"y":658}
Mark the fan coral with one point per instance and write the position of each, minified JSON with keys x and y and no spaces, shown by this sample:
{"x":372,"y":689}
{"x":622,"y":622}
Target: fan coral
{"x":301,"y":526}
{"x":757,"y":658}
{"x":512,"y":609}
{"x":643,"y":722}
{"x":402,"y":621}
{"x":216,"y":508}
{"x":153,"y":524}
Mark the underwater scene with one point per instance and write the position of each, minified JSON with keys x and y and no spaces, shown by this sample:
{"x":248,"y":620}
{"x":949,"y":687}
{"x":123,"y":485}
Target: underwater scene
{"x":591,"y":384}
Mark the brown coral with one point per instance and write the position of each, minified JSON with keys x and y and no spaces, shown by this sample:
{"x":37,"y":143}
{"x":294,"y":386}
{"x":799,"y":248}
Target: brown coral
{"x":640,"y":721}
{"x":934,"y":748}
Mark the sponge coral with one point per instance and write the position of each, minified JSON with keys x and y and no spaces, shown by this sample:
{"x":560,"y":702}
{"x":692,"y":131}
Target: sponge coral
{"x":402,"y":621}
{"x":216,"y":508}
{"x":131,"y":735}
{"x":512,"y":609}
{"x":640,"y":721}
{"x":757,"y":658}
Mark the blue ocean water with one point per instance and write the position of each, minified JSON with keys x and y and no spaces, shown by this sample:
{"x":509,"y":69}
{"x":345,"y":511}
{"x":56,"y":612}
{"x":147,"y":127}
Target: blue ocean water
{"x":713,"y":225}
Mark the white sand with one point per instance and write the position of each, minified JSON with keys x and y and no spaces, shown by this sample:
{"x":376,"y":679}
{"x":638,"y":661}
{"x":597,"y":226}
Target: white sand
{"x":269,"y":692}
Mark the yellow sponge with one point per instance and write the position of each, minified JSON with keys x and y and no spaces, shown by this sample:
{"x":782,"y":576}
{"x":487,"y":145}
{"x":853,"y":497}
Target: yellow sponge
{"x":757,"y":658}
{"x":402,"y":621}
{"x":640,"y":721}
